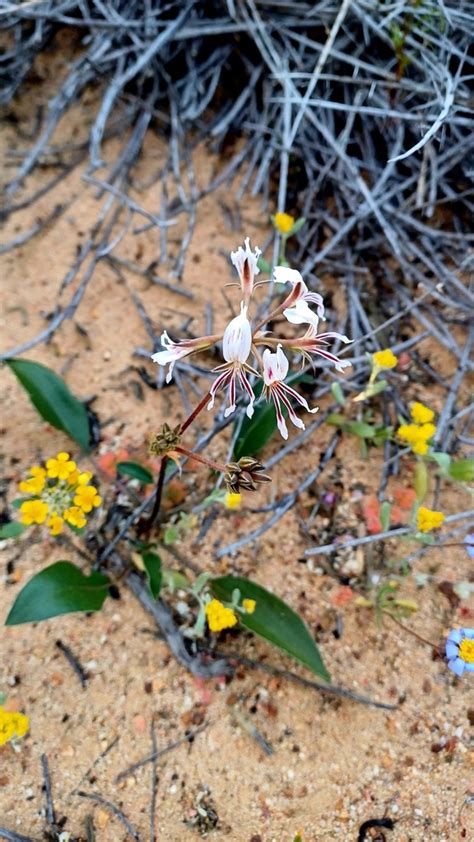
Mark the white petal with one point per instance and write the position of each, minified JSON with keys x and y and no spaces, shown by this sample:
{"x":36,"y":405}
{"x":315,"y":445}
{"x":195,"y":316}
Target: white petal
{"x":237,"y":340}
{"x":282,"y":363}
{"x":301,"y":314}
{"x":284,"y":275}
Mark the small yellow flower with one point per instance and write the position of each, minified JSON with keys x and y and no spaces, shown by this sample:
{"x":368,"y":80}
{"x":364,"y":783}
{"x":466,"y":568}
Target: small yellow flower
{"x":426,"y":432}
{"x":55,"y":524}
{"x":33,"y":511}
{"x":36,"y":483}
{"x":420,"y":448}
{"x":421,"y":414}
{"x":12,"y":724}
{"x":409,"y":433}
{"x":249,"y":605}
{"x":385,"y":359}
{"x":219,"y":617}
{"x":61,"y":467}
{"x":426,"y":519}
{"x":232,"y":500}
{"x":84,"y":477}
{"x":283,"y":222}
{"x":87,"y":497}
{"x":75,"y":516}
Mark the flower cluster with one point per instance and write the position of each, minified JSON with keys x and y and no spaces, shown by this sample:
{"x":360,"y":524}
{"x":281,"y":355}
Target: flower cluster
{"x":13,"y":725}
{"x":427,"y":519}
{"x":220,"y":616}
{"x":460,"y":650}
{"x":419,"y":433}
{"x":384,"y":359}
{"x":242,"y":341}
{"x":60,"y":494}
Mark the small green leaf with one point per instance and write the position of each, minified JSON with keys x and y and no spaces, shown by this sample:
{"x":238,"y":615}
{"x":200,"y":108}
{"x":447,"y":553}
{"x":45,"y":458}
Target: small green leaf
{"x":462,"y":470}
{"x":336,"y":420}
{"x":52,"y":399}
{"x":337,"y":393}
{"x":421,"y":481}
{"x":297,"y":226}
{"x":152,"y":563}
{"x":11,"y":530}
{"x":173,"y":579}
{"x":361,"y":429}
{"x":385,"y":511}
{"x":18,"y":501}
{"x":443,"y":460}
{"x":264,"y":265}
{"x":135,"y":471}
{"x":273,"y":620}
{"x":59,"y":589}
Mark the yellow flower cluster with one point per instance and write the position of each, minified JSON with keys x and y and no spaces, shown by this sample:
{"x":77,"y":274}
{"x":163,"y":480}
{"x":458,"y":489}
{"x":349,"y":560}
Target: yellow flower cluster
{"x":249,"y":605}
{"x":60,"y":494}
{"x":219,"y":617}
{"x":12,"y":724}
{"x":232,"y":500}
{"x":427,"y":519}
{"x":283,"y":222}
{"x":384,"y":359}
{"x":420,"y":431}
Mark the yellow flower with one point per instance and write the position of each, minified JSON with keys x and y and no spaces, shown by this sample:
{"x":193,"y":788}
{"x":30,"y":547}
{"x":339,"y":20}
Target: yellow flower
{"x":219,"y":617}
{"x":249,"y":605}
{"x":421,"y":414}
{"x":87,"y":497}
{"x":420,"y":448}
{"x":33,"y":511}
{"x":36,"y":483}
{"x":232,"y":500}
{"x":409,"y":433}
{"x":283,"y":222}
{"x":85,"y":477}
{"x":385,"y":359}
{"x":12,"y":724}
{"x":61,"y":467}
{"x":55,"y":524}
{"x":426,"y":431}
{"x":75,"y":516}
{"x":426,"y":519}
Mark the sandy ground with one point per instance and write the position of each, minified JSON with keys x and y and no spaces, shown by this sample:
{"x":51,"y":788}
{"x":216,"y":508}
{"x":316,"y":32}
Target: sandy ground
{"x":335,"y":763}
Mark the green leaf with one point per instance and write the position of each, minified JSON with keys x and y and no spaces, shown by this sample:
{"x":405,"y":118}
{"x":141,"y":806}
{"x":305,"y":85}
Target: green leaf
{"x":152,"y":563}
{"x":462,"y":470}
{"x":385,"y":511}
{"x":337,"y":393}
{"x":59,"y":589}
{"x":297,"y":226}
{"x":135,"y":471}
{"x":360,"y":428}
{"x":52,"y":399}
{"x":264,"y":265}
{"x":443,"y":460}
{"x":18,"y":501}
{"x":11,"y":530}
{"x":336,"y":420}
{"x":273,"y":620}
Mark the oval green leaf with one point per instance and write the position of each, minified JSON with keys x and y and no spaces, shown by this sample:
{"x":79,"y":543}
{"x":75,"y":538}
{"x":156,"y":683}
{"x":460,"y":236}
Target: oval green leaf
{"x":462,"y":470}
{"x":52,"y":399}
{"x":59,"y":589}
{"x":135,"y":471}
{"x":273,"y":620}
{"x":152,"y":564}
{"x":11,"y":530}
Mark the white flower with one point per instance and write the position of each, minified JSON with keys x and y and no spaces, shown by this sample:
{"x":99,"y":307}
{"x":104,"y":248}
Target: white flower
{"x":246,"y":263}
{"x":275,"y":369}
{"x":299,"y":312}
{"x":236,"y":347}
{"x":314,"y":343}
{"x":237,"y":340}
{"x":176,"y":350}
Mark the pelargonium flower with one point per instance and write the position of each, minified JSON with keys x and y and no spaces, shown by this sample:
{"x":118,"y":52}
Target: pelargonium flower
{"x":314,"y":343}
{"x":299,"y":313}
{"x":246,"y":263}
{"x":275,"y":369}
{"x":174,"y":351}
{"x":460,"y":650}
{"x":236,"y":347}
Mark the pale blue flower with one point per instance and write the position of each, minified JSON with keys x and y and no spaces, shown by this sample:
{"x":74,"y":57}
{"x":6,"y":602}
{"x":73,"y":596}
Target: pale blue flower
{"x":460,"y":650}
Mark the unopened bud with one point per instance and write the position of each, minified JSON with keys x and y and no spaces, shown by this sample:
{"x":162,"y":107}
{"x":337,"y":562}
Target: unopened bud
{"x":166,"y":440}
{"x":244,"y":475}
